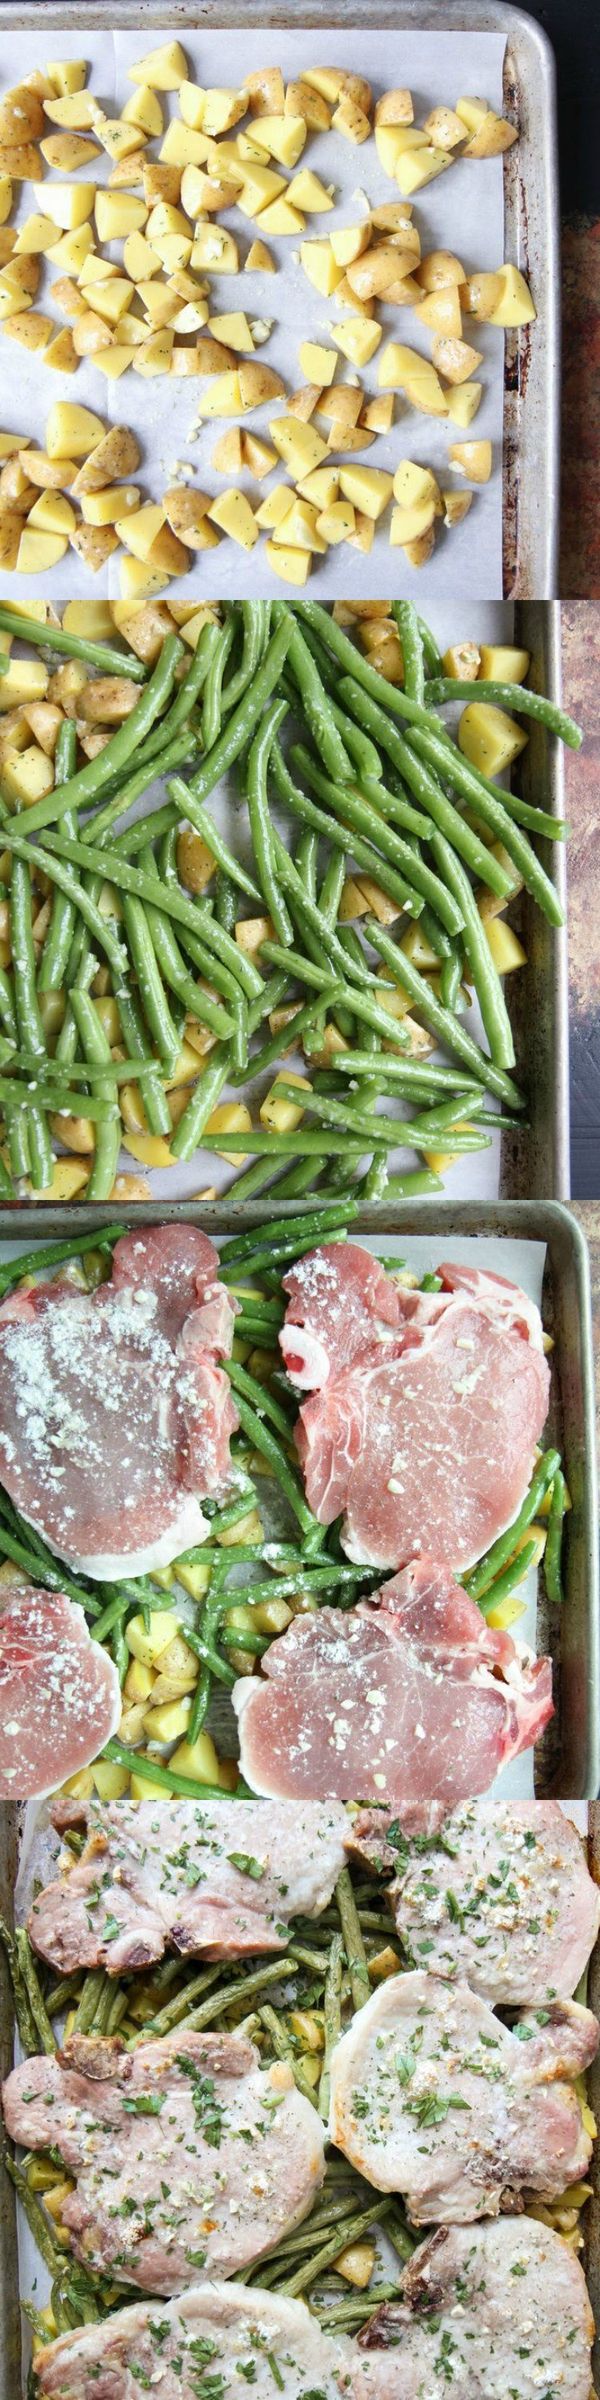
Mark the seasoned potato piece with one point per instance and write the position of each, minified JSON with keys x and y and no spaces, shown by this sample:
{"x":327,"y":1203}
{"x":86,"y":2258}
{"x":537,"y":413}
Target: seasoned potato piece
{"x":367,"y":487}
{"x":108,"y":699}
{"x":71,"y":431}
{"x":321,"y":267}
{"x":438,"y":269}
{"x":259,"y":260}
{"x":233,"y":514}
{"x":162,"y":70}
{"x":301,"y":100}
{"x":38,"y":551}
{"x":68,"y":151}
{"x":489,"y":738}
{"x":455,"y":359}
{"x":358,"y":339}
{"x":103,"y":508}
{"x":351,"y":120}
{"x":444,"y":128}
{"x":185,"y":512}
{"x":94,"y":544}
{"x":265,"y":90}
{"x":472,"y":458}
{"x":395,"y":108}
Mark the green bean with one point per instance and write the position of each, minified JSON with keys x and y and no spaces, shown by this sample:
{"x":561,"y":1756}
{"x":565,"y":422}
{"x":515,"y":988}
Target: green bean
{"x":430,"y":647}
{"x":412,"y":1185}
{"x":58,"y":939}
{"x":53,"y":637}
{"x":204,"y":1097}
{"x":302,"y":666}
{"x":255,"y":619}
{"x":240,"y":724}
{"x":32,"y":1986}
{"x":98,"y":825}
{"x":98,"y":925}
{"x":254,"y":1180}
{"x":354,"y":811}
{"x":217,"y":2006}
{"x":45,"y":1093}
{"x":419,"y":1133}
{"x":7,"y":1010}
{"x":411,"y":645}
{"x":412,"y":1074}
{"x":552,"y":1553}
{"x":332,"y":887}
{"x":427,"y":790}
{"x":96,"y":1047}
{"x":477,"y":1583}
{"x":97,"y":772}
{"x":506,"y":1582}
{"x":195,"y":916}
{"x":489,"y":805}
{"x":259,"y":818}
{"x":154,"y":1771}
{"x":134,"y":836}
{"x":92,"y":1987}
{"x":367,"y":820}
{"x":283,"y":1234}
{"x":486,"y":980}
{"x":225,"y":901}
{"x":260,"y":1142}
{"x":284,"y":2048}
{"x":442,"y":1023}
{"x":212,"y":708}
{"x":508,"y":695}
{"x":333,"y":2019}
{"x":134,"y":1039}
{"x":52,"y":1254}
{"x":151,"y":988}
{"x":262,"y":1439}
{"x":37,"y":2220}
{"x":398,"y":702}
{"x":29,"y":1021}
{"x":353,"y":1941}
{"x":198,"y":816}
{"x":170,"y":2016}
{"x":261,"y":1398}
{"x":363,"y":1006}
{"x":303,"y":1018}
{"x":354,"y":2227}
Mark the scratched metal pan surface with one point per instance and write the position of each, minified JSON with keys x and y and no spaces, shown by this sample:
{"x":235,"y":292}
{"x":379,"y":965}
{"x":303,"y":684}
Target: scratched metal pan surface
{"x":532,"y":360}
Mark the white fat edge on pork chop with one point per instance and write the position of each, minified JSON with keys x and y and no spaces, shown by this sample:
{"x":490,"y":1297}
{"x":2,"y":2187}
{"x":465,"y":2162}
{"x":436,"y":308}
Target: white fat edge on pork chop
{"x":433,"y":2096}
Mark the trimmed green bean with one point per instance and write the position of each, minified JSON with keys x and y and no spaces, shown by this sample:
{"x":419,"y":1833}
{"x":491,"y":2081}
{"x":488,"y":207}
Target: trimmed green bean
{"x":91,"y":779}
{"x":486,"y":980}
{"x":426,"y":789}
{"x":398,"y":702}
{"x":489,"y":805}
{"x":212,"y":706}
{"x":315,"y":703}
{"x":514,"y":696}
{"x":205,"y":1094}
{"x":73,"y":645}
{"x":198,"y":816}
{"x":554,"y":1534}
{"x":442,"y":1023}
{"x":96,"y":1048}
{"x":411,"y":644}
{"x":477,"y":1583}
{"x":240,"y":724}
{"x":367,"y":820}
{"x":98,"y":925}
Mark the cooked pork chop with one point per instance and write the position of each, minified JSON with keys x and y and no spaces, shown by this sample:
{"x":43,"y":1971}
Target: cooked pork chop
{"x":215,"y":2340}
{"x":496,"y":2309}
{"x":60,"y":1697}
{"x":491,"y":2312}
{"x":186,"y":2153}
{"x":207,"y":1878}
{"x":408,"y":1697}
{"x":432,"y":2096}
{"x":426,"y":1406}
{"x":498,"y":1896}
{"x":115,"y":1416}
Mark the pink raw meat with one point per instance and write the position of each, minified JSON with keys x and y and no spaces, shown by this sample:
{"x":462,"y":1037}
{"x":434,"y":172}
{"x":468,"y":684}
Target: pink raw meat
{"x":426,"y":1406}
{"x":408,"y":1697}
{"x":60,"y":1698}
{"x":115,"y":1416}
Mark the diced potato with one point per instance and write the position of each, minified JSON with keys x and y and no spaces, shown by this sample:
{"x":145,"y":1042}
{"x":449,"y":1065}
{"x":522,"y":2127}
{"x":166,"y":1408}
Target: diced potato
{"x":395,"y":108}
{"x":321,"y":267}
{"x":301,"y":527}
{"x":37,"y":234}
{"x":463,"y":403}
{"x":368,"y":488}
{"x":515,"y":305}
{"x":356,"y":2264}
{"x":280,"y":1115}
{"x":259,"y":260}
{"x":111,"y":456}
{"x":143,"y":110}
{"x":68,"y":151}
{"x":455,"y":359}
{"x":419,"y":550}
{"x":463,"y":661}
{"x":472,"y":458}
{"x":197,"y":1759}
{"x":260,"y":187}
{"x":258,"y":455}
{"x":414,"y":484}
{"x":215,"y":251}
{"x":317,"y":363}
{"x":480,"y":295}
{"x":357,"y":339}
{"x":472,"y":110}
{"x":68,"y":1180}
{"x":338,"y":523}
{"x":231,"y":1117}
{"x":322,"y":486}
{"x":117,"y":214}
{"x":233,"y":329}
{"x":187,"y":515}
{"x":301,"y":448}
{"x":38,"y":552}
{"x":502,"y":665}
{"x":282,"y":137}
{"x":351,"y":120}
{"x":417,"y":167}
{"x":163,"y":70}
{"x":507,"y":951}
{"x":66,"y":75}
{"x":28,"y":777}
{"x":489,"y":738}
{"x":440,"y":310}
{"x":109,"y":1781}
{"x":279,"y":217}
{"x":292,"y":565}
{"x":409,"y":524}
{"x":405,"y":370}
{"x":169,"y":1722}
{"x":444,"y":128}
{"x":493,"y":135}
{"x":71,"y":431}
{"x":307,"y":192}
{"x":232,"y":512}
{"x":251,"y":932}
{"x":68,"y":204}
{"x":223,"y":397}
{"x":53,"y":512}
{"x":276,"y":507}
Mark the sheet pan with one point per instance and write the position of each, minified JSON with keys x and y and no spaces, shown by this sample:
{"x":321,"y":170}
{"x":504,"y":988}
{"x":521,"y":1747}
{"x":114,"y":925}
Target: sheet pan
{"x":532,"y":367}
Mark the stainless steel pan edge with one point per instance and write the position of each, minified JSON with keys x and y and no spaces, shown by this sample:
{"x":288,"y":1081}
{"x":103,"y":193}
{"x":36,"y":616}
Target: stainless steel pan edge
{"x":532,"y":373}
{"x":569,"y":1759}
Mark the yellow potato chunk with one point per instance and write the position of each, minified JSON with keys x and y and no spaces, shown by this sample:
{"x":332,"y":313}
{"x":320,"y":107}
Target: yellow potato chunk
{"x":260,"y":187}
{"x":472,"y":458}
{"x":222,"y":397}
{"x":72,"y":431}
{"x":357,"y":339}
{"x":464,"y":402}
{"x":26,"y":680}
{"x":280,"y":1115}
{"x":336,"y":524}
{"x":292,"y":565}
{"x":414,"y":484}
{"x":117,"y":214}
{"x":232,"y":329}
{"x":275,"y":508}
{"x":368,"y":488}
{"x":68,"y":204}
{"x":503,"y":665}
{"x":301,"y":529}
{"x":301,"y":448}
{"x":232,"y":512}
{"x":282,"y":137}
{"x":306,"y":191}
{"x":489,"y":738}
{"x":515,"y":305}
{"x":406,"y":371}
{"x":317,"y":363}
{"x":163,"y":70}
{"x":417,"y":167}
{"x":38,"y":551}
{"x":321,"y":267}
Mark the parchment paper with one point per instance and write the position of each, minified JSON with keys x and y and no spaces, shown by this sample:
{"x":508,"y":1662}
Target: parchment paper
{"x":463,"y":211}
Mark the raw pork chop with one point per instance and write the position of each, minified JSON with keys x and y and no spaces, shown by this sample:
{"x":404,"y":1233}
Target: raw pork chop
{"x":426,"y":1406}
{"x":499,"y":1896}
{"x":410,"y":1696}
{"x":496,"y":2312}
{"x":212,"y":1879}
{"x":60,"y":1698}
{"x":185,"y":2152}
{"x":432,"y":2096}
{"x":115,"y":1417}
{"x":459,"y":2322}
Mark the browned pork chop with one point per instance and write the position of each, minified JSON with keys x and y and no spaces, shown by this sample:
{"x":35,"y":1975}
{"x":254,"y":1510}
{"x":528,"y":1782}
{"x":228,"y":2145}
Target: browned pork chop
{"x":498,"y":1895}
{"x":409,"y":1697}
{"x":185,"y":2152}
{"x":207,"y":1878}
{"x":493,"y":2310}
{"x":426,"y":1406}
{"x":432,"y":2096}
{"x":115,"y":1415}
